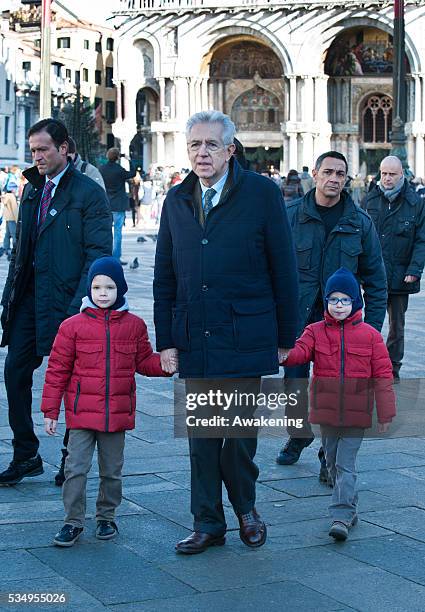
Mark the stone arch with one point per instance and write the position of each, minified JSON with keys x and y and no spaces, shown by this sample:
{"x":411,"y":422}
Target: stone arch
{"x":147,"y":58}
{"x":221,"y":36}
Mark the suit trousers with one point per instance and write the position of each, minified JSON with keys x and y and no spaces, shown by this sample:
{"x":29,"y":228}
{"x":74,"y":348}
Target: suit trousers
{"x":396,"y":308}
{"x":110,"y":455}
{"x":20,"y":363}
{"x":215,"y":461}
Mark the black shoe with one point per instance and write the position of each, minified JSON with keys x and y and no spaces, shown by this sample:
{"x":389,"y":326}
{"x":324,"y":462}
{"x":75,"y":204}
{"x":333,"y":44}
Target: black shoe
{"x":292,"y":450}
{"x":60,"y":476}
{"x":68,"y":535}
{"x":106,"y":530}
{"x":18,"y":470}
{"x":135,"y":264}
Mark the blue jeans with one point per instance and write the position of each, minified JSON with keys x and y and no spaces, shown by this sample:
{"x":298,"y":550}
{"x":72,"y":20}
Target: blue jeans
{"x":119,"y":218}
{"x":9,"y":234}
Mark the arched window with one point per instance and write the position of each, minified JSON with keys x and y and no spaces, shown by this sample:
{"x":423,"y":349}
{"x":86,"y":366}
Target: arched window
{"x":257,"y":109}
{"x":376,"y":119}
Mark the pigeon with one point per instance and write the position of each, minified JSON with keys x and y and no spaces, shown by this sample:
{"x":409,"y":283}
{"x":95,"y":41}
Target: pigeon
{"x":141,"y":239}
{"x":135,"y":264}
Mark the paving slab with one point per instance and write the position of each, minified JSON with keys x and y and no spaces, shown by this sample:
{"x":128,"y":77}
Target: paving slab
{"x":97,"y":572}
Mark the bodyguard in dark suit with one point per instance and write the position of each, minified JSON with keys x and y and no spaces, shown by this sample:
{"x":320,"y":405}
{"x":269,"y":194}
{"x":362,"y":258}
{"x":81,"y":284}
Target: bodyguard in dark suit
{"x":225,"y":304}
{"x":398,"y":213}
{"x":64,"y":224}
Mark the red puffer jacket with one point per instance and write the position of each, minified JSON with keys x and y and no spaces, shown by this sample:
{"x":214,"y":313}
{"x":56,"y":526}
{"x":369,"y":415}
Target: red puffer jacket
{"x":351,"y":369}
{"x":92,"y":365}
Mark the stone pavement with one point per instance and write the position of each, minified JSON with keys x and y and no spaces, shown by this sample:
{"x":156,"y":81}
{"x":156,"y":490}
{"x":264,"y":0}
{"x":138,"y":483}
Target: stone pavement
{"x":381,"y":566}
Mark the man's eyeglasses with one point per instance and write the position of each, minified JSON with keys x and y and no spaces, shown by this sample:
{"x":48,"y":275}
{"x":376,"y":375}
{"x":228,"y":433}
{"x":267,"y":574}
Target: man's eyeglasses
{"x":211,"y":146}
{"x":345,"y":301}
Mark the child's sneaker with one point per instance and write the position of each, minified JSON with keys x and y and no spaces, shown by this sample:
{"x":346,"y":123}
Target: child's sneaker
{"x":106,"y":530}
{"x":339,"y":531}
{"x":68,"y":535}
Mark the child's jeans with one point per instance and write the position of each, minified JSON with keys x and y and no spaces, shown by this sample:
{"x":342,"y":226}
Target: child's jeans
{"x":110,"y":451}
{"x":341,"y":453}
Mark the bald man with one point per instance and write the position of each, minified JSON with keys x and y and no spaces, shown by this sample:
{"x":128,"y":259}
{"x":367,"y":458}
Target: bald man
{"x":399,"y":216}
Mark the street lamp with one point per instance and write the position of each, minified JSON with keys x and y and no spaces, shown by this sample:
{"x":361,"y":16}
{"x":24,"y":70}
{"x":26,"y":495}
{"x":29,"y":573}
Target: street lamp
{"x":45,"y":91}
{"x":398,"y":134}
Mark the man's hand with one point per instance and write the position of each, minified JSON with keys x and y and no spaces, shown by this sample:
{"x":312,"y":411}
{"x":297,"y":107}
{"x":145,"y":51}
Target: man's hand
{"x":169,"y":360}
{"x":282,"y":354}
{"x":50,"y":426}
{"x":383,"y":427}
{"x":410,"y":278}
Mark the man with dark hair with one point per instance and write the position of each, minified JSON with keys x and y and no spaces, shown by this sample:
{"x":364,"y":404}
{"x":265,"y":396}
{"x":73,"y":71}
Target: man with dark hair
{"x":84,"y":166}
{"x":115,"y":177}
{"x":330,"y":232}
{"x":64,"y":224}
{"x":398,"y":213}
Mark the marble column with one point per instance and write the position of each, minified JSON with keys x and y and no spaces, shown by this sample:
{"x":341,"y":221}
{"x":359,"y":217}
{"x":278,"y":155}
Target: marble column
{"x":423,"y":98}
{"x":419,"y":169}
{"x":418,"y":98}
{"x":172,"y":99}
{"x":308,"y":101}
{"x":354,"y":148}
{"x":285,"y":154}
{"x":161,"y":95}
{"x":410,"y":152}
{"x":293,"y":150}
{"x":182,"y":98}
{"x":292,"y":97}
{"x":160,"y":148}
{"x":321,"y":98}
{"x":344,"y":145}
{"x":192,"y":95}
{"x":204,"y":93}
{"x":220,"y":96}
{"x":307,"y":150}
{"x":211,"y":102}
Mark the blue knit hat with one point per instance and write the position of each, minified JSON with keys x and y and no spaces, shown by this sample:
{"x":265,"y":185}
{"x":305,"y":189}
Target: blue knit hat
{"x":344,"y":281}
{"x":108,"y":266}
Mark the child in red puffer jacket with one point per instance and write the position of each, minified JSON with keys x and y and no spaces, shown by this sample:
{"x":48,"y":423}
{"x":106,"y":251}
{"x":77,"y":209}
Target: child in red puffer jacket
{"x":92,"y":366}
{"x":351,"y":369}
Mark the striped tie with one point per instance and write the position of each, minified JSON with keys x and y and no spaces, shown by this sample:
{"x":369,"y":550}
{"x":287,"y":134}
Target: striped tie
{"x":45,"y":203}
{"x":208,"y":198}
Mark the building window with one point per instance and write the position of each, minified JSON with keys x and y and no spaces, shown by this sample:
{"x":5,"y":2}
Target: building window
{"x":85,"y":74}
{"x":377,"y":119}
{"x":98,"y":46}
{"x":37,"y":43}
{"x":110,"y":111}
{"x":86,"y":44}
{"x":26,"y":66}
{"x":7,"y":93}
{"x":6,"y":130}
{"x":68,"y":73}
{"x":98,"y":77}
{"x":98,"y":102}
{"x":64,"y":43}
{"x":57,"y":70}
{"x":110,"y":141}
{"x":110,"y":44}
{"x":109,"y":77}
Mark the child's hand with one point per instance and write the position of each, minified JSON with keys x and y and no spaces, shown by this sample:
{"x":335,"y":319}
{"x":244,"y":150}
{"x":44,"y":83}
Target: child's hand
{"x":50,"y":426}
{"x":383,"y":427}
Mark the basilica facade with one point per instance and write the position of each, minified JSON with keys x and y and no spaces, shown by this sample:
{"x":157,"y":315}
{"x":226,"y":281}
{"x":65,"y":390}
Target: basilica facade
{"x":298,"y":77}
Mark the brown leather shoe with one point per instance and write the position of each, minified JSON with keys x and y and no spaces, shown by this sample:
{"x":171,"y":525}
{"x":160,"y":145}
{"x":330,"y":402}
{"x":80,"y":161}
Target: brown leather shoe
{"x":197,"y":542}
{"x":252,"y":530}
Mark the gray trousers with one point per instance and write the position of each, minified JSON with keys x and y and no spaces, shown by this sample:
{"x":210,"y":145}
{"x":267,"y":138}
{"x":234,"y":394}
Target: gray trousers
{"x":396,"y":308}
{"x":341,"y":453}
{"x":110,"y":451}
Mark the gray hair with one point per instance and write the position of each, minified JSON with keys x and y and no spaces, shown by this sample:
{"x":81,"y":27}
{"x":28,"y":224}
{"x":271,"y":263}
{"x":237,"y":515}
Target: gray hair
{"x":213,"y":116}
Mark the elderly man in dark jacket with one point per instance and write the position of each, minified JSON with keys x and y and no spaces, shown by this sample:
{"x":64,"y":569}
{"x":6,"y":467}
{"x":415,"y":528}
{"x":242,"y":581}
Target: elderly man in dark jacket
{"x":115,"y":177}
{"x":399,"y":217}
{"x":330,"y":232}
{"x":225,"y":300}
{"x":64,"y":224}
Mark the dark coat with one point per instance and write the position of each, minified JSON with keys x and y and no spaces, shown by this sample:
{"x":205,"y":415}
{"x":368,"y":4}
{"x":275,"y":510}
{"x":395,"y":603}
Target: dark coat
{"x":69,"y":241}
{"x":114,"y":176}
{"x":352,"y":244}
{"x":401,"y":230}
{"x":226,"y":294}
{"x":83,"y":349}
{"x":351,"y":369}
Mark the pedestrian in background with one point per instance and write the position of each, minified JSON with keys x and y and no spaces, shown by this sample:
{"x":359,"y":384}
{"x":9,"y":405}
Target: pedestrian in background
{"x":10,"y":219}
{"x":291,"y":187}
{"x":99,"y":408}
{"x":115,"y":179}
{"x":306,"y":179}
{"x":84,"y":166}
